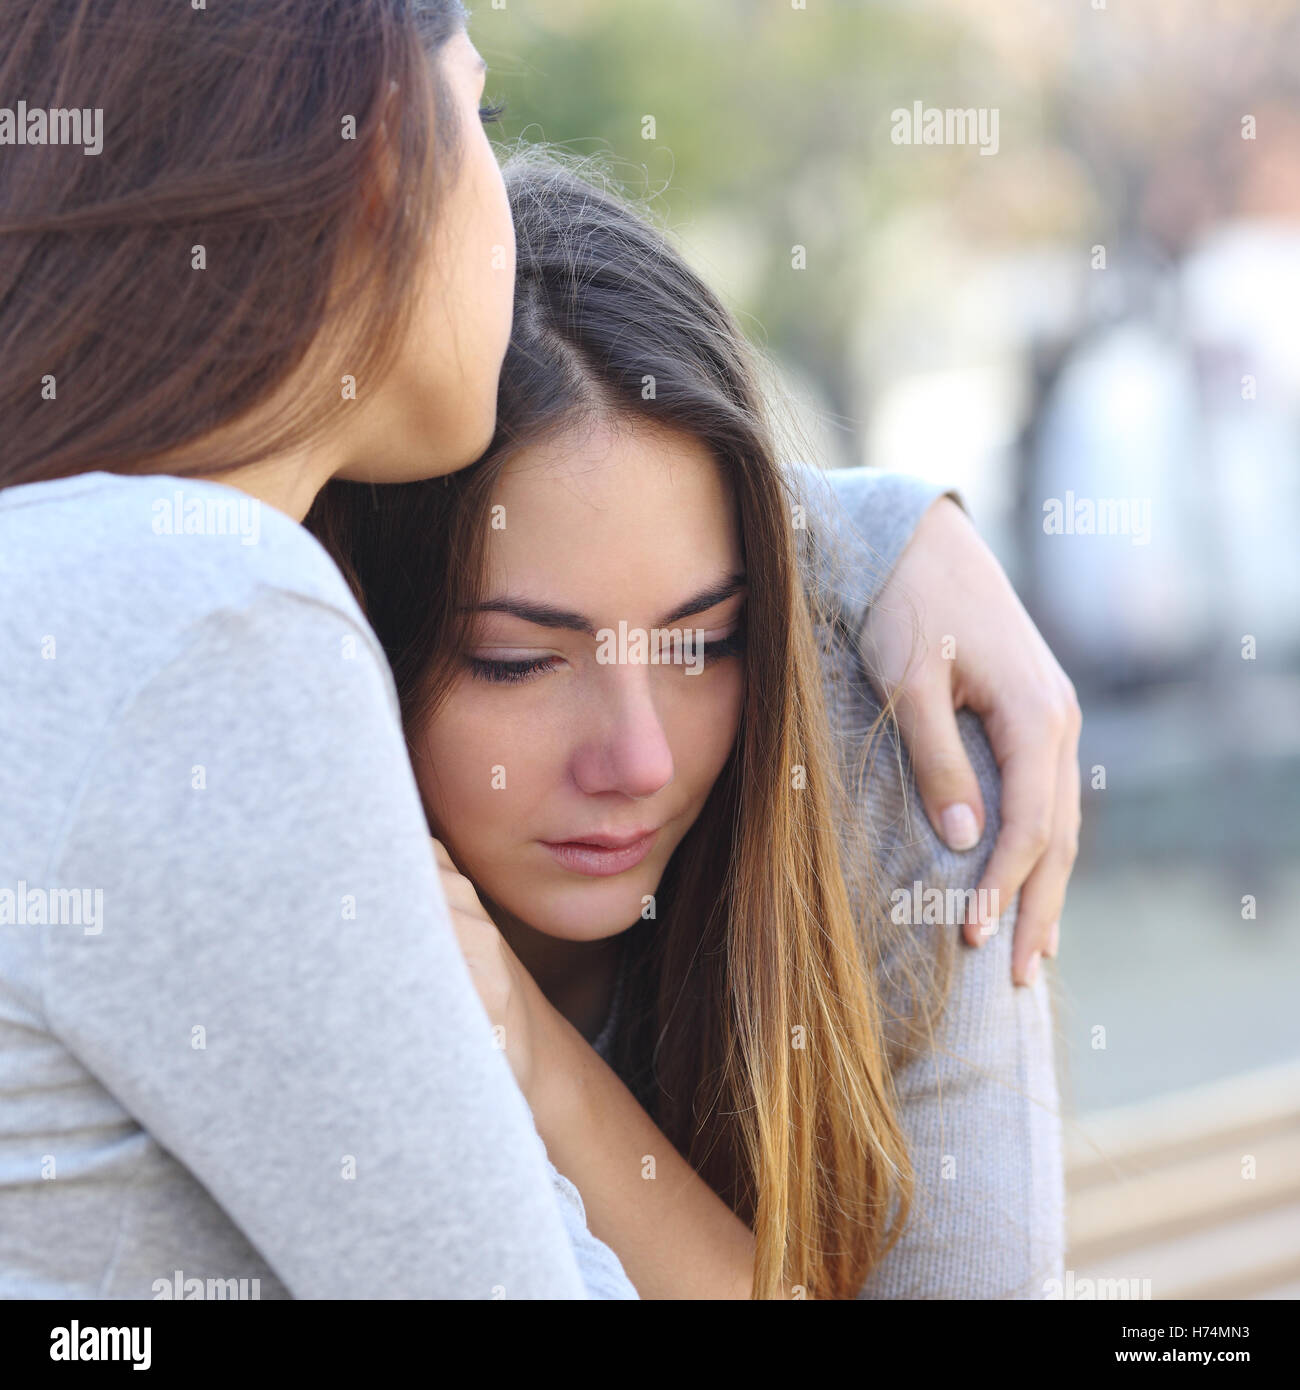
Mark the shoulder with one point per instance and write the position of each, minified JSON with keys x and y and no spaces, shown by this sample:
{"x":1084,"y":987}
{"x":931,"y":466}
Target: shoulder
{"x":859,"y":522}
{"x":116,"y":575}
{"x":181,"y":545}
{"x":131,"y":650}
{"x":865,"y":495}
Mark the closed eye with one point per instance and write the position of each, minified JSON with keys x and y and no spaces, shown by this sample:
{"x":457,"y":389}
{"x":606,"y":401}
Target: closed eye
{"x":516,"y":672}
{"x":508,"y":672}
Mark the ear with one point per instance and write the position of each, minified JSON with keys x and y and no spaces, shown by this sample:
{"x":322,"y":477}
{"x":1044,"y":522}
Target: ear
{"x":381,"y":177}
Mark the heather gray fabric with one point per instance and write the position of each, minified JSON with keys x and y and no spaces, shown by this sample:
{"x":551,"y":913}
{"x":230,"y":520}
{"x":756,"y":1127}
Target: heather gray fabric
{"x":253,"y":1051}
{"x":981,"y":1111}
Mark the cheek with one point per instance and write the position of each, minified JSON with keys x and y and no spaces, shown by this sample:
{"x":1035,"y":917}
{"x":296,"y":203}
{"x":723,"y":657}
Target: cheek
{"x":706,"y":727}
{"x":491,"y":763}
{"x":502,"y":235}
{"x":491,"y":286}
{"x":481,"y":775}
{"x":467,"y":308}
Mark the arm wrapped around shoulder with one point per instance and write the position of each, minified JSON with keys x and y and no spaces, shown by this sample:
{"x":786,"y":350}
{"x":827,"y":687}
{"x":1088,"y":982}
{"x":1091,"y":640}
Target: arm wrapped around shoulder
{"x":976,"y":1079}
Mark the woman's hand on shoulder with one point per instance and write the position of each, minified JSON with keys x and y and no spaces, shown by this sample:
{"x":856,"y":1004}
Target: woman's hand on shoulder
{"x":980,"y":650}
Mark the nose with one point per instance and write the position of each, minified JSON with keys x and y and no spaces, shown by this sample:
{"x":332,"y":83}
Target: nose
{"x":627,"y":749}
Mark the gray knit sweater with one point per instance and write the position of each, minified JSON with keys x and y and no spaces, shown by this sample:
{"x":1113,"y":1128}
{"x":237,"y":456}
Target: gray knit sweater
{"x":981,"y":1109}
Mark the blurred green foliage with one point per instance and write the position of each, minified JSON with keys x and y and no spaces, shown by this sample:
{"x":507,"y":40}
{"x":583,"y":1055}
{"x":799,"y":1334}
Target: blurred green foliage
{"x":772,"y":130}
{"x":772,"y":123}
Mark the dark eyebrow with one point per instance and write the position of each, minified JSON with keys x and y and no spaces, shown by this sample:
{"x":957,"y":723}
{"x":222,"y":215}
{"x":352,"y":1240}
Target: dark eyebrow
{"x":547,"y":615}
{"x":705,"y":599}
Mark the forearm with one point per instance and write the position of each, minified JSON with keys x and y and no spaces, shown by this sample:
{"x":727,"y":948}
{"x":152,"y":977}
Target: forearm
{"x":674,"y":1235}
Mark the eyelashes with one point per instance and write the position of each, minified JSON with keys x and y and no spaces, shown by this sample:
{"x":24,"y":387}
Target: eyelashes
{"x":507,"y":672}
{"x":725,"y":646}
{"x":489,"y":115}
{"x":515,"y":672}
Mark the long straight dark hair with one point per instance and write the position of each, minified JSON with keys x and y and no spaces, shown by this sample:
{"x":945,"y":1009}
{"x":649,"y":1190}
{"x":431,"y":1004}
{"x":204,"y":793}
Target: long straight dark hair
{"x":752,"y":1030}
{"x":223,"y":129}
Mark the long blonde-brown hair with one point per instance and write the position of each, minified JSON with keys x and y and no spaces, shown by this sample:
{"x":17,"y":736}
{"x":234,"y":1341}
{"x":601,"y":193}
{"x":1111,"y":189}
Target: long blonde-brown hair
{"x":752,"y":1031}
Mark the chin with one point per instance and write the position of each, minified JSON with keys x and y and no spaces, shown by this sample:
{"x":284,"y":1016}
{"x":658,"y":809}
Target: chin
{"x":459,"y":450}
{"x":587,"y":914}
{"x":410,"y":468}
{"x":456,"y":448}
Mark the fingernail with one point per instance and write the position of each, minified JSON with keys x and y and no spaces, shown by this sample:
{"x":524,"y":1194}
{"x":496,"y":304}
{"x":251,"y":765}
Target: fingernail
{"x":960,"y":829}
{"x":1031,"y":971}
{"x":985,"y":926}
{"x":1053,"y":940}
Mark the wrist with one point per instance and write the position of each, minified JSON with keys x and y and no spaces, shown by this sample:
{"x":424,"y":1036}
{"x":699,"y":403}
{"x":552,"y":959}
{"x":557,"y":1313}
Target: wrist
{"x":550,"y":1087}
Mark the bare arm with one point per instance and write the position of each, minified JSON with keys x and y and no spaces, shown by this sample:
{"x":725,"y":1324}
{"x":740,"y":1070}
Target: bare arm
{"x":674,"y":1235}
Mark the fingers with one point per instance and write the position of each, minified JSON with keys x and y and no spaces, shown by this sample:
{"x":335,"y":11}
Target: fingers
{"x":949,"y":788}
{"x":460,"y":892}
{"x":1030,"y":773}
{"x":1042,"y":899}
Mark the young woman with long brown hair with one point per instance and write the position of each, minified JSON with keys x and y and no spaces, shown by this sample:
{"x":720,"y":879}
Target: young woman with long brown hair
{"x":605,"y":636}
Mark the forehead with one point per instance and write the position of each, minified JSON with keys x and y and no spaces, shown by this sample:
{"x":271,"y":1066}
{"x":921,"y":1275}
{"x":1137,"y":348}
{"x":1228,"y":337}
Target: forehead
{"x":633,"y":509}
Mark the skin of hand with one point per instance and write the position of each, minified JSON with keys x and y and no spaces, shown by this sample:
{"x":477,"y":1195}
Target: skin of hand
{"x":948,"y":632}
{"x":504,"y":986}
{"x":675,"y":1237}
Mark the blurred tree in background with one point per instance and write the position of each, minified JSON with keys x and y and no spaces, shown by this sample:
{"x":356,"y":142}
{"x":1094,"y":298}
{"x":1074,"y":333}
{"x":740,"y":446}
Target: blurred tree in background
{"x":762,"y":128}
{"x":771,"y":130}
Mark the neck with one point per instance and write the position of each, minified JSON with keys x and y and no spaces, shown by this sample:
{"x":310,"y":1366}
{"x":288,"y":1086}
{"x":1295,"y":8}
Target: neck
{"x":288,"y":485}
{"x":290,"y":481}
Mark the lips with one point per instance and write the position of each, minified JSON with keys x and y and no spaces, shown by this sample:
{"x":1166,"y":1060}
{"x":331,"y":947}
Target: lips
{"x":605,"y":841}
{"x":598,"y":856}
